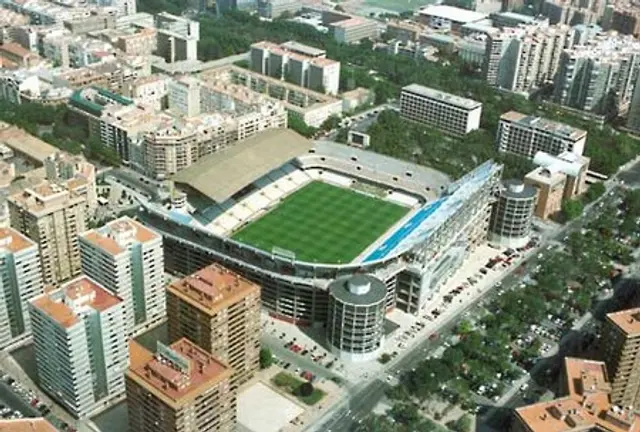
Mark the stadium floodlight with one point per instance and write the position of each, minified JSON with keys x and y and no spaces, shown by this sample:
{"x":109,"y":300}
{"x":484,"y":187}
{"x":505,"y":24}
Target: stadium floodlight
{"x":283,"y":253}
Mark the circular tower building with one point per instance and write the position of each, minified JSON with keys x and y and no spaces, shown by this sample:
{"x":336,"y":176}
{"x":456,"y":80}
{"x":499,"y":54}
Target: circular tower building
{"x":512,"y":214}
{"x":356,"y":317}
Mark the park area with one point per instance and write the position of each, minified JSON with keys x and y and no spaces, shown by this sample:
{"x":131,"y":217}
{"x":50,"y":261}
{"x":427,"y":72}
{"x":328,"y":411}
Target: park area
{"x":301,"y":389}
{"x":322,"y":223}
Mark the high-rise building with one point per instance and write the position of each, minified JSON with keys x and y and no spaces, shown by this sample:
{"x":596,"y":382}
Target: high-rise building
{"x":218,"y":310}
{"x":587,"y":406}
{"x":75,"y":173}
{"x":512,"y":214}
{"x":599,"y":77}
{"x":526,"y":135}
{"x":550,"y":186}
{"x":81,"y":345}
{"x":449,"y":113}
{"x":622,"y":335}
{"x":26,"y":425}
{"x":527,"y":57}
{"x":180,"y":388}
{"x":20,"y":281}
{"x":296,"y":63}
{"x":177,"y":37}
{"x":52,"y":216}
{"x":184,"y":96}
{"x":127,"y":259}
{"x":633,"y":118}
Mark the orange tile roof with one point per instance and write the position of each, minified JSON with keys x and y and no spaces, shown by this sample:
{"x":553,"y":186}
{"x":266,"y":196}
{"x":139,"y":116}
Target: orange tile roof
{"x":587,"y":404}
{"x":26,"y":425}
{"x":103,"y":237}
{"x":213,"y":288}
{"x":170,"y":384}
{"x":14,"y":241}
{"x":627,"y":320}
{"x":15,"y":49}
{"x":58,"y":303}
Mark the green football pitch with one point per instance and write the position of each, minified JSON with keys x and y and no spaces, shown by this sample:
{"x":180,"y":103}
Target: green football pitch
{"x":322,"y":223}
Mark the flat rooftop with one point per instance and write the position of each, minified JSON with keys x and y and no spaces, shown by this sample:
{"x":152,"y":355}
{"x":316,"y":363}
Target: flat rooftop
{"x":303,"y":49}
{"x":45,"y":197}
{"x":26,"y":425}
{"x":65,"y":305}
{"x":544,"y":124}
{"x":628,"y":321}
{"x":176,"y":374}
{"x":13,"y":241}
{"x":441,"y":96}
{"x":213,"y":288}
{"x":545,"y":176}
{"x":23,"y":142}
{"x":452,"y":13}
{"x":115,"y":237}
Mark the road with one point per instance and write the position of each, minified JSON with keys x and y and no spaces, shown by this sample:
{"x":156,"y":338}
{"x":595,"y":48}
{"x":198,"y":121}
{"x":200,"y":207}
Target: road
{"x":363,"y":398}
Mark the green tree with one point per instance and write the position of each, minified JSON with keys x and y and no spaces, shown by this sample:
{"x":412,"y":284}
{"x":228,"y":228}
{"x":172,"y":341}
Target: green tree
{"x":594,"y":192}
{"x":572,"y":209}
{"x":462,"y":424}
{"x":266,"y":358}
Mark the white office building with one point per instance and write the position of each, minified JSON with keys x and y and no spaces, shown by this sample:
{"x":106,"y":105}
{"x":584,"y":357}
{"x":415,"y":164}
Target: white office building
{"x":453,"y":115}
{"x":127,"y":259}
{"x":525,"y":135}
{"x":20,"y":281}
{"x":81,"y":345}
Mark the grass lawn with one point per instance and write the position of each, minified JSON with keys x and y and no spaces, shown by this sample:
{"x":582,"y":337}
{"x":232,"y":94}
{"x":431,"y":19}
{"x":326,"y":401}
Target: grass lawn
{"x":291,"y":384}
{"x":323,"y":223}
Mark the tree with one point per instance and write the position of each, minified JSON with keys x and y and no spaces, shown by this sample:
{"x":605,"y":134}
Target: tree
{"x":572,"y":209}
{"x":298,"y":125}
{"x":462,"y":424}
{"x":332,"y":122}
{"x":384,"y":358}
{"x":266,"y":358}
{"x":595,"y":191}
{"x":305,"y":389}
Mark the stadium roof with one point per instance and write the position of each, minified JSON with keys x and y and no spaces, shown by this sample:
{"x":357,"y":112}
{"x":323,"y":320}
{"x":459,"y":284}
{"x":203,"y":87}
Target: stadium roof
{"x":220,"y":175}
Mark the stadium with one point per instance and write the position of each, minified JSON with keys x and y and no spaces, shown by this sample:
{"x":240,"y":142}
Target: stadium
{"x":293,"y":215}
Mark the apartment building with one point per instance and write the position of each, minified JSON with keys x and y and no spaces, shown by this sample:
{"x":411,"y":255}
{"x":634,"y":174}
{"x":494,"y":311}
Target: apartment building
{"x":354,"y":29}
{"x":622,"y":17}
{"x":76,"y":174}
{"x":184,"y":96}
{"x":52,"y":216}
{"x":127,"y":259}
{"x":550,"y":186}
{"x":177,"y":37}
{"x":309,"y":105}
{"x":180,"y":388}
{"x":275,"y":8}
{"x":524,"y":58}
{"x":20,"y":281}
{"x":80,"y":345}
{"x":449,"y":113}
{"x":599,"y":77}
{"x":180,"y":143}
{"x":305,"y":66}
{"x":526,"y":135}
{"x":218,"y":310}
{"x":588,"y":404}
{"x":574,"y":12}
{"x":622,"y":336}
